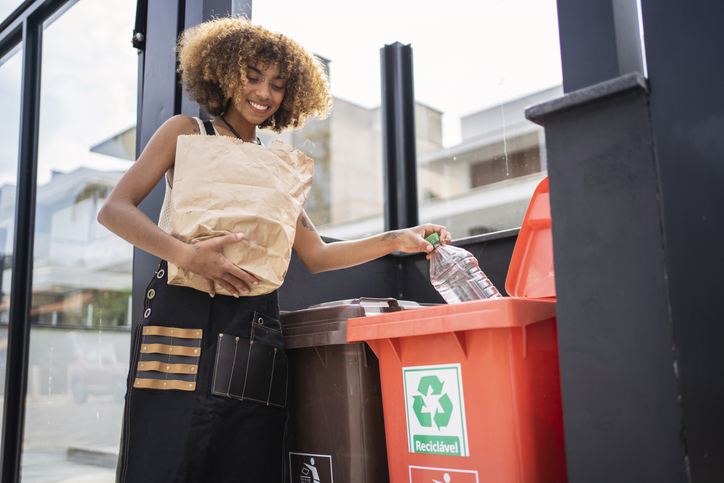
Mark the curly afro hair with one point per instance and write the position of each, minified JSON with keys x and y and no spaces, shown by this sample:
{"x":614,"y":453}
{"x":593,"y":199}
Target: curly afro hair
{"x":213,"y":58}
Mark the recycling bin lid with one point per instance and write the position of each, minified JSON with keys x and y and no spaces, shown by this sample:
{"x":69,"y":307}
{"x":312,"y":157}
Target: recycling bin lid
{"x":504,"y":312}
{"x":326,"y":323}
{"x":531,"y":272}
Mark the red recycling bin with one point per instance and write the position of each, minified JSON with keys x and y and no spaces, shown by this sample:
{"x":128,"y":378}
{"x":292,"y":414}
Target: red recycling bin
{"x":471,"y":392}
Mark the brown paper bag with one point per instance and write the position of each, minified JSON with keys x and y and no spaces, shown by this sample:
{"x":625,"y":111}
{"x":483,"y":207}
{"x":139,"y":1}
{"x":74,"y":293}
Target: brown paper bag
{"x":222,"y":185}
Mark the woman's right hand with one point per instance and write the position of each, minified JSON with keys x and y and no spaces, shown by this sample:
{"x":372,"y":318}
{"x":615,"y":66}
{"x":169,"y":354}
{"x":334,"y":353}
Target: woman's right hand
{"x":206,"y":259}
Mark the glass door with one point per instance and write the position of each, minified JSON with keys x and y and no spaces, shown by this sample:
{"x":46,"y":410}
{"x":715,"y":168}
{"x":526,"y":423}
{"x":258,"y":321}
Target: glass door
{"x":82,"y":274}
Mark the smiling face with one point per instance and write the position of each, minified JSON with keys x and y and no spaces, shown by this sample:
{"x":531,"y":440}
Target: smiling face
{"x":262,"y":95}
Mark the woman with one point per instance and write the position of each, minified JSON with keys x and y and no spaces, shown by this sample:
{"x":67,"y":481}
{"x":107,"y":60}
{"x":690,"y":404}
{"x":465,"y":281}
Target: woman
{"x":182,"y":421}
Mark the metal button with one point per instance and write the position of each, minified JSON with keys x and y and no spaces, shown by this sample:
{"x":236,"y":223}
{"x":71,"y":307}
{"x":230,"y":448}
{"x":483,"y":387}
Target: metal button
{"x":195,"y":351}
{"x":191,"y":385}
{"x":142,"y":365}
{"x":168,"y":367}
{"x":138,"y":383}
{"x":151,"y":293}
{"x":160,"y":273}
{"x":198,"y":333}
{"x":145,"y":348}
{"x":147,"y":331}
{"x":170,"y":349}
{"x":171,"y":331}
{"x":164,"y":384}
{"x":193,"y":369}
{"x":261,"y":321}
{"x":147,"y":313}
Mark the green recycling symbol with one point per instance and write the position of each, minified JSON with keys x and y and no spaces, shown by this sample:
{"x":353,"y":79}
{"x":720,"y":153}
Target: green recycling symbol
{"x":432,"y":386}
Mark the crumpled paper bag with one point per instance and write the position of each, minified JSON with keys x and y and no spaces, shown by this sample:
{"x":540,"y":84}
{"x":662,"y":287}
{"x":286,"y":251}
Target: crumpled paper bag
{"x":222,"y":185}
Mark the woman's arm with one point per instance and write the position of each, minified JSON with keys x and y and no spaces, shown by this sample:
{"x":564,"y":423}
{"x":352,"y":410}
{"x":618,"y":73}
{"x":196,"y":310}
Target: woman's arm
{"x":319,"y":256}
{"x":120,"y":214}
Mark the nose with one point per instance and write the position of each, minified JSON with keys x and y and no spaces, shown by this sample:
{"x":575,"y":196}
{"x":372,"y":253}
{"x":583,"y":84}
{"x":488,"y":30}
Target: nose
{"x":263,"y":90}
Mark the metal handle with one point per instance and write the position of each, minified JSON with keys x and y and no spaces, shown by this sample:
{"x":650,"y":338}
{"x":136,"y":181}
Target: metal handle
{"x":391,"y":302}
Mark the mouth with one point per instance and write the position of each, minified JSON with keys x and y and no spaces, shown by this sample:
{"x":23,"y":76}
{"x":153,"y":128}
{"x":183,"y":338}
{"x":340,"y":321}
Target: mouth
{"x":258,"y":107}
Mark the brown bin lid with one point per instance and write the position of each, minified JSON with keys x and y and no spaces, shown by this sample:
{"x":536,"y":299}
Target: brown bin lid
{"x":326,"y":324}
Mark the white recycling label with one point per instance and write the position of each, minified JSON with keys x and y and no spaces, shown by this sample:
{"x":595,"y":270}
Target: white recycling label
{"x":435,"y":410}
{"x":422,"y":474}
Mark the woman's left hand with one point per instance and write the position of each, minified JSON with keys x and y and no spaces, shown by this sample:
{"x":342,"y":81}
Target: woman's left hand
{"x":413,"y":239}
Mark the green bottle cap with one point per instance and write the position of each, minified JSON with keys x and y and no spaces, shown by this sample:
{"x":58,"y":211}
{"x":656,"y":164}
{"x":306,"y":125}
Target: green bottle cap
{"x":434,"y":238}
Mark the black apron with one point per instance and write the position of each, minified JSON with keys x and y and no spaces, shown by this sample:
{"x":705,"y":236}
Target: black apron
{"x":195,"y":408}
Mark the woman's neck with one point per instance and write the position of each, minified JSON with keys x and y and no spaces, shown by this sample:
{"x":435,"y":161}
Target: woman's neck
{"x":237,"y":126}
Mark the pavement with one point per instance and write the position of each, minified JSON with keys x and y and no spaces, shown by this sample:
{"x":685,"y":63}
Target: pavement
{"x":56,"y":468}
{"x":94,"y":478}
{"x":65,"y":442}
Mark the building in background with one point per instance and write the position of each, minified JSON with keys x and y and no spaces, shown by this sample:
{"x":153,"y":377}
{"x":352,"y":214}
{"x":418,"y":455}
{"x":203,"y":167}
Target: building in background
{"x":82,"y":271}
{"x":482,"y":185}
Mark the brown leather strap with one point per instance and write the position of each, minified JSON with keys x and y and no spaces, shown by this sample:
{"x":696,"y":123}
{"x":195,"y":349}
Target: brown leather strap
{"x":164,"y":384}
{"x":173,"y":332}
{"x":168,"y":368}
{"x":177,"y":350}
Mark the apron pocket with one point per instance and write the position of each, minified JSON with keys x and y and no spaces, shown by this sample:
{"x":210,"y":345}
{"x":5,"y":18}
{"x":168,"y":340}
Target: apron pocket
{"x":250,"y":370}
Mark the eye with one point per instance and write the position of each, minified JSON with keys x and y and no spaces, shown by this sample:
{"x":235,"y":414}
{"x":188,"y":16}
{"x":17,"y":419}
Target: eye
{"x":279,"y":88}
{"x":252,"y":79}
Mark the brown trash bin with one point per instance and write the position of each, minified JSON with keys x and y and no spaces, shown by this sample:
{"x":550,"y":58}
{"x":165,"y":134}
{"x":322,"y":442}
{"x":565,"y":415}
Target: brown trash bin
{"x":336,"y":427}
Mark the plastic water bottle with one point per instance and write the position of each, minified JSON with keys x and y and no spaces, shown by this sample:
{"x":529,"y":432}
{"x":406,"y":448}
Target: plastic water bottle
{"x":455,"y":273}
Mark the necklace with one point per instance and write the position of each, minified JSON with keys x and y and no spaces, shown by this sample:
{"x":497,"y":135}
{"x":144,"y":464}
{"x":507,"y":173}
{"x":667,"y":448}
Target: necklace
{"x":234,"y":130}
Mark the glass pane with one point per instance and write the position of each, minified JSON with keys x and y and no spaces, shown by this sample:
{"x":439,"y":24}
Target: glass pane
{"x":80,"y":332}
{"x":346,"y":147}
{"x":10,"y":77}
{"x":477,"y":64}
{"x":480,"y":178}
{"x":7,"y":7}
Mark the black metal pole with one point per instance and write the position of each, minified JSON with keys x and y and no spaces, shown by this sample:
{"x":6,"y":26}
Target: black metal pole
{"x":3,"y":256}
{"x":398,"y":137}
{"x":195,"y":12}
{"x":21,"y":296}
{"x":160,"y":94}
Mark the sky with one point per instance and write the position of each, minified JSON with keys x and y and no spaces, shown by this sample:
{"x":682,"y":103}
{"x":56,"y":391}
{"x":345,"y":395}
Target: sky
{"x":468,"y":55}
{"x":88,"y":89}
{"x":8,"y":6}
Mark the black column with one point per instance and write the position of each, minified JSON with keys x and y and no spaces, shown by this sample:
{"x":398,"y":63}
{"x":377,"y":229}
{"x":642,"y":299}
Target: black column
{"x":621,"y":416}
{"x":599,"y":41}
{"x":399,"y":157}
{"x":684,"y":48}
{"x":636,"y":169}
